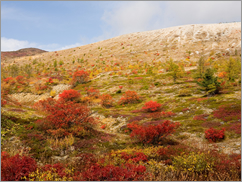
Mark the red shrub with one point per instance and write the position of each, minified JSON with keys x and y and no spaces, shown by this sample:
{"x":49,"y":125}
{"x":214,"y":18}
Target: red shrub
{"x":171,"y":151}
{"x":80,"y":77}
{"x":151,"y":106}
{"x":70,"y":95}
{"x":227,"y":164}
{"x":86,"y":161}
{"x":57,"y":168}
{"x":8,"y":80}
{"x":129,"y":97}
{"x":158,"y":115}
{"x":152,"y":134}
{"x":92,"y":92}
{"x":65,"y":115}
{"x":127,"y":172}
{"x":49,"y":81}
{"x":3,"y":101}
{"x":42,"y":105}
{"x":103,"y":126}
{"x":185,"y":109}
{"x":201,"y":99}
{"x":211,"y":124}
{"x":20,"y":79}
{"x":16,"y":167}
{"x":201,"y":117}
{"x":106,"y":100}
{"x":228,"y":112}
{"x":214,"y":135}
{"x":40,"y":87}
{"x":136,"y":157}
{"x":236,"y":127}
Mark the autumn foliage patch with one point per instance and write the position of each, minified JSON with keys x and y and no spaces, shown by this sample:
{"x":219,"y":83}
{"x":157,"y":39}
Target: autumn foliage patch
{"x":127,"y":172}
{"x":201,"y":117}
{"x":152,"y":134}
{"x":136,"y":157}
{"x":151,"y":106}
{"x":64,"y":116}
{"x":129,"y":97}
{"x":106,"y":100}
{"x":70,"y":95}
{"x":14,"y":168}
{"x":214,"y":135}
{"x":79,"y":77}
{"x":163,"y":114}
{"x":91,"y":92}
{"x":228,"y":112}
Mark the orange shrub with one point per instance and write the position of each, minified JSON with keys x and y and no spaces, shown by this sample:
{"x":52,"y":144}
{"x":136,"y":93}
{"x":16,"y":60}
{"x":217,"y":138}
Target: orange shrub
{"x":129,"y":97}
{"x":70,"y":95}
{"x":151,"y":106}
{"x":91,"y":92}
{"x":79,"y":77}
{"x":106,"y":100}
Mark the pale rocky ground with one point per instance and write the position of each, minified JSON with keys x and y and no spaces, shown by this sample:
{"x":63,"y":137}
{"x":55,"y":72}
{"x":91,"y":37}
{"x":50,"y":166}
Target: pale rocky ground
{"x":174,"y":42}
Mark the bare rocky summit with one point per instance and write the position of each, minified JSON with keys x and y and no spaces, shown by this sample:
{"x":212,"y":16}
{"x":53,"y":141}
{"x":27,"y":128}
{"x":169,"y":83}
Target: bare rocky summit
{"x":176,"y":42}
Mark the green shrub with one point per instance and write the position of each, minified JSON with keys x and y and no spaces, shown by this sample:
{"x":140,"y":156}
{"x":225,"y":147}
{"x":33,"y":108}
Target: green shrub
{"x":209,"y":82}
{"x":184,"y":92}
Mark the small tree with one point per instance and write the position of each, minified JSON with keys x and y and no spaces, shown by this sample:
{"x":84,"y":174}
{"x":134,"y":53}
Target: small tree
{"x":55,"y":63}
{"x":210,"y":82}
{"x":201,"y":67}
{"x":233,"y":69}
{"x":176,"y":71}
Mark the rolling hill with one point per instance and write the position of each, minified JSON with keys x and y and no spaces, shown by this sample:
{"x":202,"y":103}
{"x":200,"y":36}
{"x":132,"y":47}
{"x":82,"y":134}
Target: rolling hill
{"x":175,"y":42}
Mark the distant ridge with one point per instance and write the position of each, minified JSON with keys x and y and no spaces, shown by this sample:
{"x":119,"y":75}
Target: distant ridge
{"x":5,"y":55}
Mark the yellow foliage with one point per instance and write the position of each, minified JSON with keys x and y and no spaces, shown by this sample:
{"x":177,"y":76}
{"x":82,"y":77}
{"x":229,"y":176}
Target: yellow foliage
{"x":193,"y":162}
{"x":50,"y":175}
{"x":130,"y":67}
{"x":61,"y":143}
{"x":52,"y":93}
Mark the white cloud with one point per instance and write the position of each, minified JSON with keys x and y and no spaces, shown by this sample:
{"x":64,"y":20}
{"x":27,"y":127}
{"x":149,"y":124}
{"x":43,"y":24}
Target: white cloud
{"x":127,"y":17}
{"x":200,"y":12}
{"x":14,"y":44}
{"x":130,"y":17}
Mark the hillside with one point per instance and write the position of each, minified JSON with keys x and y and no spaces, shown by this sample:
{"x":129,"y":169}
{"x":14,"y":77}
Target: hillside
{"x":6,"y":55}
{"x":160,"y":105}
{"x":176,"y":42}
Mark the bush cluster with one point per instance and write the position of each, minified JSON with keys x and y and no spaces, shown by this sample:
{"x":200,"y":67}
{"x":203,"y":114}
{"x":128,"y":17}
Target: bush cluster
{"x":214,"y":135}
{"x":106,"y":100}
{"x":151,"y":106}
{"x":129,"y":97}
{"x":15,"y":168}
{"x":152,"y":134}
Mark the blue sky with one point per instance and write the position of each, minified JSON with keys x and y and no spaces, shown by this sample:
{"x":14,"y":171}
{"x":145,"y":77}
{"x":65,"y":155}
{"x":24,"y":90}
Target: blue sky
{"x":56,"y":25}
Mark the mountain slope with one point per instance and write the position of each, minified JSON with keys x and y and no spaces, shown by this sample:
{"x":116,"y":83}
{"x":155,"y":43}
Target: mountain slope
{"x":176,"y":42}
